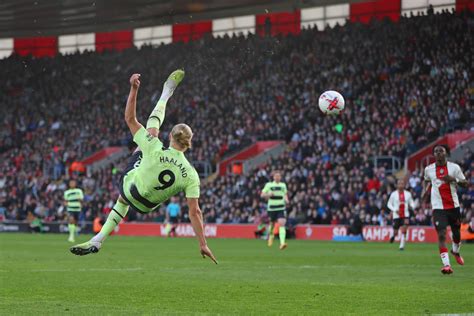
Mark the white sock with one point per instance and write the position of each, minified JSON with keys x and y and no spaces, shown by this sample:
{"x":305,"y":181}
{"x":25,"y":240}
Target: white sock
{"x":402,"y":241}
{"x":445,"y":258}
{"x":98,"y":238}
{"x":456,"y":247}
{"x":168,"y":89}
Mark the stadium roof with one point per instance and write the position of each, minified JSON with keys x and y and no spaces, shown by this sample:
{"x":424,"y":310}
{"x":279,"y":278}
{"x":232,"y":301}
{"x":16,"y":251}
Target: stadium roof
{"x":26,"y":18}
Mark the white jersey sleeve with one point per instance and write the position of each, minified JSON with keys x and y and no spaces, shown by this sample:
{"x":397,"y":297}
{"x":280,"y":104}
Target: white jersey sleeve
{"x":391,"y":202}
{"x":458,"y":174}
{"x":426,"y":175}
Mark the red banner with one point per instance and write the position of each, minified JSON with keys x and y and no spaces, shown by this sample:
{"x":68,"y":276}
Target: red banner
{"x":366,"y":11}
{"x":280,"y":23}
{"x":36,"y":46}
{"x":118,"y":40}
{"x":184,"y":32}
{"x":308,"y":232}
{"x":186,"y":230}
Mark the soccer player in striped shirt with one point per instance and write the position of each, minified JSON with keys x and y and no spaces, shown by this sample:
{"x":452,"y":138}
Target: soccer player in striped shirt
{"x":72,"y":200}
{"x":155,"y":173}
{"x":399,"y":203}
{"x":441,"y":181}
{"x":277,"y":195}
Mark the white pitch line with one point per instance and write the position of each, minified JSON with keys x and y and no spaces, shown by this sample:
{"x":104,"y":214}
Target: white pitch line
{"x":343,"y":266}
{"x":89,"y":270}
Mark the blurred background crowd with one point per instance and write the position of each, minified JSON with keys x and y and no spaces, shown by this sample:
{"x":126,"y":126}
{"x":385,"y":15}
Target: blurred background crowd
{"x":405,"y":84}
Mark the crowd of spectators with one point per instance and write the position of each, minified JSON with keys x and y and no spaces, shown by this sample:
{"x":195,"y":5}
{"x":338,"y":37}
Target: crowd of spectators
{"x":405,"y":84}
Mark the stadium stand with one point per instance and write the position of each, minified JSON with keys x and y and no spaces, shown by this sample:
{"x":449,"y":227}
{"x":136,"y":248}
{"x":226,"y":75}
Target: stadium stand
{"x":62,"y":109}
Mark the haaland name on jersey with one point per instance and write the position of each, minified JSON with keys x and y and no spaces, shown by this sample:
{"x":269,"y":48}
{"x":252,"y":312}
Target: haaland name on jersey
{"x":164,"y":159}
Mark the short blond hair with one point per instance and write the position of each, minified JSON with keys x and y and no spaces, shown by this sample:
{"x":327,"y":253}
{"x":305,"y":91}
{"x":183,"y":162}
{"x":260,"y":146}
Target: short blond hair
{"x":182,"y":135}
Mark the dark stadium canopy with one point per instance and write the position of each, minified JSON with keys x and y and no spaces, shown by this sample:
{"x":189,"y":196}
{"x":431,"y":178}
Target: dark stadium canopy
{"x":25,"y":18}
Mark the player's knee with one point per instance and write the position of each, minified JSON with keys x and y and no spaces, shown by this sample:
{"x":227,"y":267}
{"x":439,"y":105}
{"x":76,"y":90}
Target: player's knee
{"x":121,"y":200}
{"x":441,"y":234}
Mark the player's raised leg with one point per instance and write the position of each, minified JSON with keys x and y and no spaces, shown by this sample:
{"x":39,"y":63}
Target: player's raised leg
{"x":394,"y":234}
{"x":402,"y":241}
{"x":455,"y":223}
{"x":441,"y":221}
{"x":157,"y":116}
{"x":282,"y":232}
{"x":271,"y":234}
{"x":119,"y":211}
{"x":72,"y":228}
{"x":404,"y":235}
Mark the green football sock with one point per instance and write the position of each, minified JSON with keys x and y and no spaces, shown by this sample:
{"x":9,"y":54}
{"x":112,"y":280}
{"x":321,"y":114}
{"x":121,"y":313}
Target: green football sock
{"x":119,"y":211}
{"x":270,"y":231}
{"x":282,"y":234}
{"x":72,"y":230}
{"x":157,"y":116}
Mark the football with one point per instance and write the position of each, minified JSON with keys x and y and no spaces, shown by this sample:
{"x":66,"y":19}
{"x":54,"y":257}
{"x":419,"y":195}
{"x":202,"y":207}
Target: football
{"x":331,"y":102}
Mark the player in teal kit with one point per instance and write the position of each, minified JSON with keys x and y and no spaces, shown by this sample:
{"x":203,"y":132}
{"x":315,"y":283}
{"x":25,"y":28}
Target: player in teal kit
{"x":155,"y":173}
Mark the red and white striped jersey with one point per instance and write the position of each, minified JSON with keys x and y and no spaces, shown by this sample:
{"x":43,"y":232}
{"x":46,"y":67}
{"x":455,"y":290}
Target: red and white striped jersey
{"x":399,"y":203}
{"x":443,"y":195}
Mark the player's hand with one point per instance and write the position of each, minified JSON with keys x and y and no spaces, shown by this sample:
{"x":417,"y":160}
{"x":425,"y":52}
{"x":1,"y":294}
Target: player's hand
{"x":206,"y":252}
{"x":135,"y":81}
{"x":448,"y":179}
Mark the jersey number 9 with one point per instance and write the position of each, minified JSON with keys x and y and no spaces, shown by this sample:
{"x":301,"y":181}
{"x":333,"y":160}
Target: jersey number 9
{"x":165,"y":182}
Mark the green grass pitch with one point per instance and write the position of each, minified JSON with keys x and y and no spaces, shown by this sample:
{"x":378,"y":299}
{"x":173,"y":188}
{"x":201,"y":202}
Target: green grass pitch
{"x":149,"y":276}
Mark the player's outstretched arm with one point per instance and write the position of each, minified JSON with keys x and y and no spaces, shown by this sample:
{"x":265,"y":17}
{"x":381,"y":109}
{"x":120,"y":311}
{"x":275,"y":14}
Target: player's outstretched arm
{"x":131,"y":108}
{"x":426,"y":191}
{"x":391,"y":203}
{"x":195,"y":215}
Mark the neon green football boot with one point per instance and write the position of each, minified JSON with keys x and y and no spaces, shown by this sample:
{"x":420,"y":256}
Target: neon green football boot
{"x":174,"y":79}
